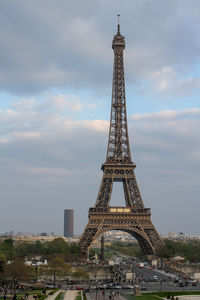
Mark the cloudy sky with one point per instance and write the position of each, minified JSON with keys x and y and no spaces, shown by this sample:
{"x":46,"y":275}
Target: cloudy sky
{"x":56,"y":66}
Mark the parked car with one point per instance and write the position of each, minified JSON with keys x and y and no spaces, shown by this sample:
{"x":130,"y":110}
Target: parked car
{"x":181,"y":284}
{"x":117,"y":287}
{"x":193,"y":282}
{"x":155,"y":278}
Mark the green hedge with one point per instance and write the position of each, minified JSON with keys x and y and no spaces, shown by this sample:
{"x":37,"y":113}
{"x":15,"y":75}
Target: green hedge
{"x":52,"y":292}
{"x":59,"y":296}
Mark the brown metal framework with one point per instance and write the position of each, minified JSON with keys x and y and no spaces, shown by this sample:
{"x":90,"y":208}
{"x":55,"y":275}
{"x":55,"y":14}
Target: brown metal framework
{"x":133,"y":218}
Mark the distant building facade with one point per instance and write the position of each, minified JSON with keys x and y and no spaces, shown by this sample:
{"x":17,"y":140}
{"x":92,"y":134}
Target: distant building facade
{"x":172,"y":235}
{"x":68,"y":222}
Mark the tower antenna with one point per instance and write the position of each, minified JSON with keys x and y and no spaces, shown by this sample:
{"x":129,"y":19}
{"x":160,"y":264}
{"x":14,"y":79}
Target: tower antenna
{"x":118,"y":26}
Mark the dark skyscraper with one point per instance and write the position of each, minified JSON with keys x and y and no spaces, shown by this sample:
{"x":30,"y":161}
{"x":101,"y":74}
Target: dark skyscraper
{"x":68,"y":222}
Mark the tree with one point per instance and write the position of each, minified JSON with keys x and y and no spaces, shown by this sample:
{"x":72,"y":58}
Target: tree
{"x":57,"y":246}
{"x":38,"y":248}
{"x":2,"y":262}
{"x":58,"y":267}
{"x":16,"y":271}
{"x":2,"y":265}
{"x":80,"y":273}
{"x":164,"y":252}
{"x":75,"y":252}
{"x":130,"y":249}
{"x":25,"y":249}
{"x":7,"y":248}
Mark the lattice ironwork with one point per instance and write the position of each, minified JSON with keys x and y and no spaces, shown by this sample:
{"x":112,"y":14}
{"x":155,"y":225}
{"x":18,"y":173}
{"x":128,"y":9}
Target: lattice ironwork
{"x":133,"y":218}
{"x":118,"y":141}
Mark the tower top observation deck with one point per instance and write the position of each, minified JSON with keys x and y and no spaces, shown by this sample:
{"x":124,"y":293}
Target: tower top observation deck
{"x":118,"y":40}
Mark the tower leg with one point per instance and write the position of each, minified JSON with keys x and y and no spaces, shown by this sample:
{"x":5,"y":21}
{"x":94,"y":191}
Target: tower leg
{"x":88,"y":236}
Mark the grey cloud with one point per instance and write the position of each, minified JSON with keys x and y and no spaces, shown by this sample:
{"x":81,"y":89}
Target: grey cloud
{"x":46,"y":44}
{"x":60,"y":168}
{"x":49,"y":160}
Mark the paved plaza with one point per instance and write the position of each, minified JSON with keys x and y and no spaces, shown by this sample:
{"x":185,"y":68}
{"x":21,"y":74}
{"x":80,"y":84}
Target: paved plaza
{"x":104,"y":297}
{"x":70,"y":295}
{"x":189,"y":297}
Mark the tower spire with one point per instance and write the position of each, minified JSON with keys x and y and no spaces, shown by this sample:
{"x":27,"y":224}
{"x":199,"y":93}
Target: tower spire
{"x":118,"y":26}
{"x":118,"y":150}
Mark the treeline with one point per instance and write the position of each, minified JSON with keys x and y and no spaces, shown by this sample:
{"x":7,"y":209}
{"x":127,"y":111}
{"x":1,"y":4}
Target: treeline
{"x":57,"y":247}
{"x":58,"y":253}
{"x":70,"y":252}
{"x":189,"y":250}
{"x":126,"y":248}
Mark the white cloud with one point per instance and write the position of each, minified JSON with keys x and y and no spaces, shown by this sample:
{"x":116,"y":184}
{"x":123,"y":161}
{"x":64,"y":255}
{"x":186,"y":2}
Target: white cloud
{"x":96,"y":125}
{"x":48,"y":172}
{"x":169,"y":82}
{"x":29,"y":117}
{"x":62,"y":102}
{"x":168,"y":115}
{"x":26,"y":135}
{"x":164,"y":78}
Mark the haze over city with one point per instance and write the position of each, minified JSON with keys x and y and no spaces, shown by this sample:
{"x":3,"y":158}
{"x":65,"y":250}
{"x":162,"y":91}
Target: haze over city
{"x":55,"y":93}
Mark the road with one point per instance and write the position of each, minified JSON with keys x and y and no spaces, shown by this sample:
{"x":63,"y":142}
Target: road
{"x":165,"y":281}
{"x":146,"y":274}
{"x":144,"y":278}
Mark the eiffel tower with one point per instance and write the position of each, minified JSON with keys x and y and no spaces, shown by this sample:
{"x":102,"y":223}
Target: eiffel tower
{"x":133,"y":218}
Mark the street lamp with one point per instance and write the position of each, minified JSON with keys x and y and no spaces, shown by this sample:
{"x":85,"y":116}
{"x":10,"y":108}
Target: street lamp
{"x":36,"y":273}
{"x":54,"y":273}
{"x":95,"y":276}
{"x":161,"y":285}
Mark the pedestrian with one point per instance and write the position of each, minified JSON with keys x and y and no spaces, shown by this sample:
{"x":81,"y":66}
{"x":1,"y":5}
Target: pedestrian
{"x":14,"y":297}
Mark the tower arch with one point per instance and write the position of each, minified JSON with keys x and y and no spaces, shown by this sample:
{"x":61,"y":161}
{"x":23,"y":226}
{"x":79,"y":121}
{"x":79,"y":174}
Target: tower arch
{"x":135,"y":232}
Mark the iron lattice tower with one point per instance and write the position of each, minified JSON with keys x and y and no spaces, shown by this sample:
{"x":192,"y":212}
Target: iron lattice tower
{"x":133,"y":218}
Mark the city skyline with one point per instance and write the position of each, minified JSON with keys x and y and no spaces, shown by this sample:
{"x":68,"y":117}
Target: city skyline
{"x":55,"y":94}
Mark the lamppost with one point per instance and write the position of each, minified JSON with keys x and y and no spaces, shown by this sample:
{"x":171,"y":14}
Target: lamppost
{"x":36,"y":272}
{"x":161,"y":285}
{"x":54,"y":273}
{"x":95,"y":276}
